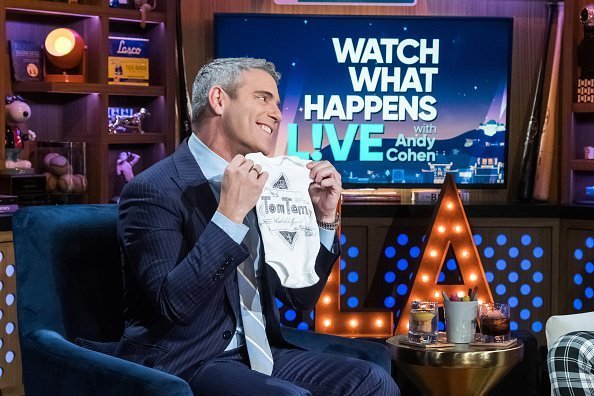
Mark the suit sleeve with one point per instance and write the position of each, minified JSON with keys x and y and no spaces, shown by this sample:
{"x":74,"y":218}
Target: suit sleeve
{"x":177,"y":275}
{"x":306,"y":297}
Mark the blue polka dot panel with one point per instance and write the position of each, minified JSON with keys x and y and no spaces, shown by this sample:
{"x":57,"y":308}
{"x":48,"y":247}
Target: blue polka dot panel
{"x":579,"y":277}
{"x":379,"y":261}
{"x":516,"y":261}
{"x":353,"y":277}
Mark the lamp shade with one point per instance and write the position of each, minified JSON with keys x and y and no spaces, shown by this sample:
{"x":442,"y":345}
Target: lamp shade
{"x":64,"y":48}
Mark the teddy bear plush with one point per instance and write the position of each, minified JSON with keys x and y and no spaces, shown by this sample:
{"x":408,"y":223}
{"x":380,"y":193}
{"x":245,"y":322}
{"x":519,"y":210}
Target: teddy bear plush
{"x":16,"y":132}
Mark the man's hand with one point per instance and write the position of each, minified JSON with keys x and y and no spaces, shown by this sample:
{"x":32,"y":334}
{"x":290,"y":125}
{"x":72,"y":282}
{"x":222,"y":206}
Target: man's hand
{"x":242,"y":185}
{"x":324,"y":189}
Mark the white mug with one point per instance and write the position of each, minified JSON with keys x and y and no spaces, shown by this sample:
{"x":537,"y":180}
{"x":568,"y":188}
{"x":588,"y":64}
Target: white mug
{"x":460,"y":318}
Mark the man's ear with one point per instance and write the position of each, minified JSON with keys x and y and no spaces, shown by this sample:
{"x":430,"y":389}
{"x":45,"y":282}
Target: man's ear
{"x":216,"y":98}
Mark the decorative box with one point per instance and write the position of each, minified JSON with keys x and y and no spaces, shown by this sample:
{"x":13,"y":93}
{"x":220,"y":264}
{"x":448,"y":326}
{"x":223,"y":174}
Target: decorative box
{"x":128,"y":62}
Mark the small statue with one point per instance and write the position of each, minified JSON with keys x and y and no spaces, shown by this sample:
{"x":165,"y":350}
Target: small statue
{"x":145,"y":8}
{"x":129,"y":122}
{"x":16,"y":132}
{"x":124,"y":165}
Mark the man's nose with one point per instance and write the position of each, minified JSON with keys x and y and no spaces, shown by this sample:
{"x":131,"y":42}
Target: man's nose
{"x":276,"y":113}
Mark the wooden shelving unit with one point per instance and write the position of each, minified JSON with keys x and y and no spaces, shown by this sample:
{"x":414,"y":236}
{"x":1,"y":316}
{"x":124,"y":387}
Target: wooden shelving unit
{"x":78,"y":111}
{"x":577,"y":128}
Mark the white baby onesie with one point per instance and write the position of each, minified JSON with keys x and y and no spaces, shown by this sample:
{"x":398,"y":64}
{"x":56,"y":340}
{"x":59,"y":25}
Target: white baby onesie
{"x":287,"y":221}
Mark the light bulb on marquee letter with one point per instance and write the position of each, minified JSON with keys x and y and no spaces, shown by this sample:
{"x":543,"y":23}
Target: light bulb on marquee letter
{"x":456,"y":237}
{"x":330,"y":319}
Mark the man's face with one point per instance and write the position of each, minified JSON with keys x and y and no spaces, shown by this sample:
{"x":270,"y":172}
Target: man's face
{"x":251,"y":119}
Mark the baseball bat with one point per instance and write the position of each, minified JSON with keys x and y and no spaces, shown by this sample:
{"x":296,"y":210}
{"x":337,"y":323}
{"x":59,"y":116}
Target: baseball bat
{"x":184,"y":111}
{"x":529,"y":152}
{"x":544,"y":164}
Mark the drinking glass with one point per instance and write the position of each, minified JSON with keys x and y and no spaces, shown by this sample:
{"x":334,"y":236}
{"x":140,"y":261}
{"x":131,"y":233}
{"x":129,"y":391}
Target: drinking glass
{"x":422,"y":322}
{"x":494,"y":322}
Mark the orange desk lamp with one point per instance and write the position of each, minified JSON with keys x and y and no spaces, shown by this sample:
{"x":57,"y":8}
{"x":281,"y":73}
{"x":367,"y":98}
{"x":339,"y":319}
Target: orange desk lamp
{"x":65,"y":56}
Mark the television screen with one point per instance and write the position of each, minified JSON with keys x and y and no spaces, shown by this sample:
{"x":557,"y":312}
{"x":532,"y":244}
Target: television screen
{"x":390,"y":101}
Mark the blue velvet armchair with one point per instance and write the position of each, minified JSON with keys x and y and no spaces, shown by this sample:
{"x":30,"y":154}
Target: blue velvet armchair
{"x":69,"y":286}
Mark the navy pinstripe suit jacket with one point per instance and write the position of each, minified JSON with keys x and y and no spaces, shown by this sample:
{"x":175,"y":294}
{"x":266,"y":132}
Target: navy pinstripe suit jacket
{"x":181,"y":290}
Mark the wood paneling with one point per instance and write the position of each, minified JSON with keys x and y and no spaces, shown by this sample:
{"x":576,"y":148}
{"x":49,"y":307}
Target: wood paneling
{"x":10,"y":356}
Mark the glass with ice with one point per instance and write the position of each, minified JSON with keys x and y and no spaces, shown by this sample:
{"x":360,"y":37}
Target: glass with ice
{"x":422,"y":322}
{"x":494,"y":322}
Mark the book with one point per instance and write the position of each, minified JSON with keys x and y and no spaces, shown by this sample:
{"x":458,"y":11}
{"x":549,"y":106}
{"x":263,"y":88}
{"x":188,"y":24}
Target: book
{"x":128,"y":63}
{"x":25,"y":57}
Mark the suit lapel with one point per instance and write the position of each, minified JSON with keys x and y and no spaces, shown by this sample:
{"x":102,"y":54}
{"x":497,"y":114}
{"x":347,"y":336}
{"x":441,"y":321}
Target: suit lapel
{"x":197,"y":191}
{"x":193,"y":184}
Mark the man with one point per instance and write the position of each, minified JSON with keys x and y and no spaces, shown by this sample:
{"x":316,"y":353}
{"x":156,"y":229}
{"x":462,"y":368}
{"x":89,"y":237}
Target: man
{"x":184,"y":245}
{"x":571,"y":364}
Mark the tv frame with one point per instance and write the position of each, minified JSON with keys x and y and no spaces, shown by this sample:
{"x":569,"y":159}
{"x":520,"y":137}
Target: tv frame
{"x":403,"y":186}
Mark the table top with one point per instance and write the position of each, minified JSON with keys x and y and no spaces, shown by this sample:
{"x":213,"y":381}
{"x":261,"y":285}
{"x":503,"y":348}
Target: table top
{"x":455,"y":356}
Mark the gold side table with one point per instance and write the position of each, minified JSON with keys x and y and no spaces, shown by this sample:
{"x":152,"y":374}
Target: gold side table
{"x":460,"y":370}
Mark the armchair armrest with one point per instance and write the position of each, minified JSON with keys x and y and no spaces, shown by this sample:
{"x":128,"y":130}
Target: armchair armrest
{"x":371,"y":351}
{"x":69,"y":369}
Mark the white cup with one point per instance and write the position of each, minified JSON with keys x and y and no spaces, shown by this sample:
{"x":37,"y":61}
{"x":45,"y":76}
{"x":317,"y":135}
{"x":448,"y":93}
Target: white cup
{"x":460,"y":318}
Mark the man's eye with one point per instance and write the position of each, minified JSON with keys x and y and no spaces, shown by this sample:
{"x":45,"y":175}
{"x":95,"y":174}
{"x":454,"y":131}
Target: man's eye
{"x":262,"y":98}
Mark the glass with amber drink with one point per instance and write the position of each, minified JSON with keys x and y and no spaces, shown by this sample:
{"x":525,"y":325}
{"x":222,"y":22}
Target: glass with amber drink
{"x":494,"y":322}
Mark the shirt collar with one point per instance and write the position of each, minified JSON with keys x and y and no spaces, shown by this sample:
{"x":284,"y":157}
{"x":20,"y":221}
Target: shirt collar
{"x":212,"y":165}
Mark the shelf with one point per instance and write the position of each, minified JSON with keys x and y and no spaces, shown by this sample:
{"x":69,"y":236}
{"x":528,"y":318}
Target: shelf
{"x":583,"y":107}
{"x":582,"y":165}
{"x":118,"y":14}
{"x":57,"y":8}
{"x":87,"y":88}
{"x":134,"y":138}
{"x":131,"y":90}
{"x":50,"y":87}
{"x":52,"y":8}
